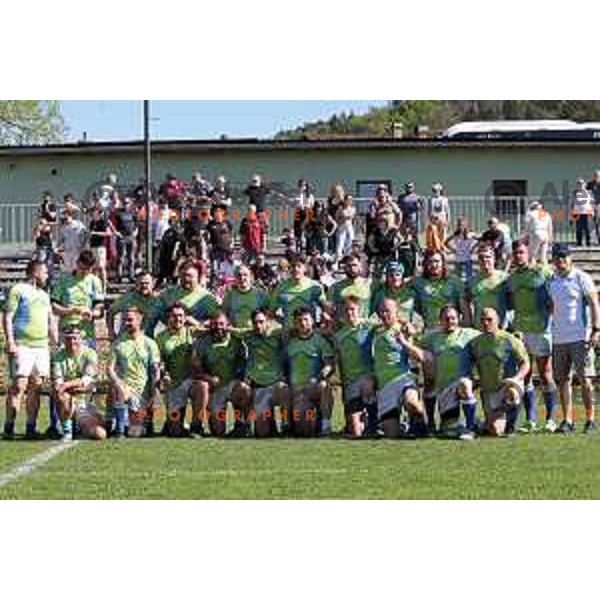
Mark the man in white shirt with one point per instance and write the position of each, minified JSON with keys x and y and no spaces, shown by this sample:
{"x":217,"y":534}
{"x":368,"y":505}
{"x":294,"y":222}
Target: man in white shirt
{"x":581,"y":212}
{"x":538,"y":227}
{"x":73,"y":237}
{"x":573,"y":292}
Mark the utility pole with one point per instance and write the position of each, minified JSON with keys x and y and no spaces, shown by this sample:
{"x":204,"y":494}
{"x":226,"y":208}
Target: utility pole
{"x":148,"y":189}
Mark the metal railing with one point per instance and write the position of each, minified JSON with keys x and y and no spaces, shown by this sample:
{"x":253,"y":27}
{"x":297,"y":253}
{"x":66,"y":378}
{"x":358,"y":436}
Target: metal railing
{"x":17,"y":222}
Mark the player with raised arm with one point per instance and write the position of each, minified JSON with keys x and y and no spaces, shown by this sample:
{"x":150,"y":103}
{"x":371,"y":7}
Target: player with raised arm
{"x":502,"y":363}
{"x":29,"y":334}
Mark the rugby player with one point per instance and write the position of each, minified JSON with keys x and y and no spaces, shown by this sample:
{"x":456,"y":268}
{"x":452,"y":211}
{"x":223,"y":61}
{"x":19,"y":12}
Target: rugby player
{"x":310,"y":364}
{"x":572,"y":292}
{"x":219,"y":360}
{"x":352,"y":285}
{"x":488,"y":288}
{"x":199,"y":303}
{"x":241,"y":300}
{"x":74,"y":370}
{"x":265,"y":374}
{"x":399,"y":290}
{"x":502,"y":363}
{"x":143,"y":296}
{"x":134,"y":372}
{"x":175,"y":347}
{"x":353,"y":350}
{"x":299,"y":291}
{"x":29,"y":332}
{"x":529,"y":297}
{"x":396,"y":385}
{"x":78,"y":298}
{"x":447,"y":352}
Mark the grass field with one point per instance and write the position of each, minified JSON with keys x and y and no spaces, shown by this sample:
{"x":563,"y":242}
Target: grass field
{"x":535,"y":467}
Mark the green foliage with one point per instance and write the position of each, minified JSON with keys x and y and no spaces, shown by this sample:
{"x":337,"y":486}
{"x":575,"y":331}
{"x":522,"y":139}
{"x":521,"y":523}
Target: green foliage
{"x":30,"y":122}
{"x":438,"y":115}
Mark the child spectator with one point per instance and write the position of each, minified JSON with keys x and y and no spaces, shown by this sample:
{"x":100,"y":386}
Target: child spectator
{"x":462,"y":242}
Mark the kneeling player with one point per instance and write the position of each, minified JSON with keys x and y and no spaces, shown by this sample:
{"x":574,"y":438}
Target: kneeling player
{"x":397,"y":388}
{"x":502,"y":363}
{"x":353,"y":341}
{"x":220,"y":363}
{"x":264,"y":374}
{"x":447,"y":356}
{"x":311,"y":363}
{"x":74,"y":370}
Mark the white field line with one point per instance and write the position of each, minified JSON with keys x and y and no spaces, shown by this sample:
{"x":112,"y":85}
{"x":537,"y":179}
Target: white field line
{"x":35,"y":462}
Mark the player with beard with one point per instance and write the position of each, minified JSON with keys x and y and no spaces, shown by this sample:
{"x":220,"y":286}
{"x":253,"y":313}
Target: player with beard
{"x":353,"y":285}
{"x":243,"y":299}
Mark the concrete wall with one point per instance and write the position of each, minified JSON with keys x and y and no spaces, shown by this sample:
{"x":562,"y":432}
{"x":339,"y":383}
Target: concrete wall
{"x":466,"y":171}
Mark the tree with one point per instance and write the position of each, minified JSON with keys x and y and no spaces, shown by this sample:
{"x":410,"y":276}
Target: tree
{"x":30,"y":122}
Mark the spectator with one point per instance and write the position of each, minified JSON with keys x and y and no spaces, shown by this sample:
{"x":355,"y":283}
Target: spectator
{"x":264,"y":273}
{"x":172,"y":248}
{"x":251,"y":234}
{"x":257,"y":193}
{"x":581,"y":210}
{"x":344,"y":217}
{"x":334,"y":201}
{"x":462,"y":242}
{"x":126,"y":227}
{"x":408,"y":250}
{"x":434,"y":234}
{"x":220,"y":231}
{"x":494,"y":238}
{"x":48,"y":210}
{"x":410,"y":206}
{"x":382,"y":245}
{"x":319,"y":228}
{"x":72,"y":240}
{"x":100,"y":229}
{"x":538,"y":233}
{"x":438,"y":204}
{"x":221,"y":194}
{"x":44,"y":246}
{"x":200,"y":187}
{"x":593,"y":187}
{"x":383,"y":206}
{"x":70,"y":205}
{"x":289,"y":242}
{"x":300,"y":204}
{"x":173,"y":191}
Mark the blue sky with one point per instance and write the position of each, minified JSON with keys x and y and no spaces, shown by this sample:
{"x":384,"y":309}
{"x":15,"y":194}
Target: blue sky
{"x":122,"y":119}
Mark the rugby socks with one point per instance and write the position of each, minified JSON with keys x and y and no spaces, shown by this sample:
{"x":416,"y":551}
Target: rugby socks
{"x":371,"y":410}
{"x":469,"y":407}
{"x":121,"y":418}
{"x":325,"y":426}
{"x":512,"y":414}
{"x":430,"y":401}
{"x":30,"y":427}
{"x":529,"y":402}
{"x":550,"y":402}
{"x":54,"y":418}
{"x":9,"y":427}
{"x":67,"y":426}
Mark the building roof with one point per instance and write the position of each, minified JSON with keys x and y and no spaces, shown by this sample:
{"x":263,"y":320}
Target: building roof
{"x":250,"y":144}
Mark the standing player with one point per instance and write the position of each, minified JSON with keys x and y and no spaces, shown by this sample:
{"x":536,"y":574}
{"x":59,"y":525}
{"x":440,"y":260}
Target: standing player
{"x":296,"y":292}
{"x":134,"y":372}
{"x":29,"y":333}
{"x":447,"y":352}
{"x":74,"y":370}
{"x":502,"y":363}
{"x":399,"y":290}
{"x":175,"y":347}
{"x":142,"y":296}
{"x":488,"y":288}
{"x":310,"y":364}
{"x":243,"y":299}
{"x":219,"y":360}
{"x":396,"y":385}
{"x":265,"y":374}
{"x":529,"y":297}
{"x":354,"y":285}
{"x":353,"y":349}
{"x":78,"y":298}
{"x":572,"y":292}
{"x":199,"y":303}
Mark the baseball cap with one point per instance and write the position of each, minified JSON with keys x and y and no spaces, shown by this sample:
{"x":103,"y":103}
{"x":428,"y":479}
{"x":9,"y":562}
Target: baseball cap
{"x":560,"y":250}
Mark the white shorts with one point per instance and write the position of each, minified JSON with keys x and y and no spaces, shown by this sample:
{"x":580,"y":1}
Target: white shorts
{"x":31,"y":361}
{"x":176,"y":398}
{"x":219,"y":397}
{"x":494,"y":402}
{"x":448,"y":397}
{"x":100,"y":255}
{"x":389,"y":398}
{"x":538,"y":344}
